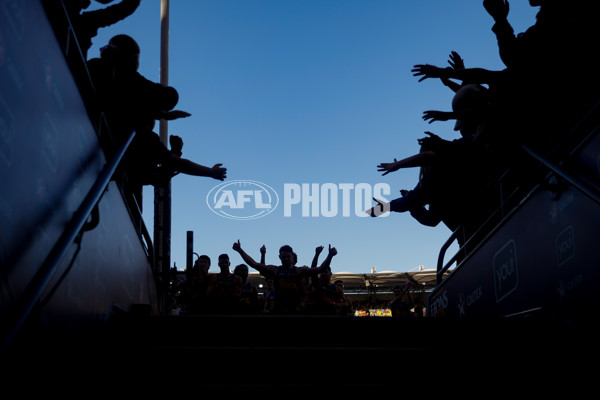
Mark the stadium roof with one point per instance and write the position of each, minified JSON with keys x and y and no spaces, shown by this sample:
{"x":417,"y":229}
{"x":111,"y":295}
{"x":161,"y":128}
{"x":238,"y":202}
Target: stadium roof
{"x":386,"y":278}
{"x":382,"y":279}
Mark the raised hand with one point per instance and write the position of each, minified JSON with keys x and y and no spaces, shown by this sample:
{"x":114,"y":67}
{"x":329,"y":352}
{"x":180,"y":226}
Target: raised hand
{"x":455,"y":61}
{"x":431,"y":141}
{"x":237,"y":246}
{"x":498,"y":9}
{"x":428,"y":71}
{"x":433,"y":115}
{"x":219,"y":172}
{"x":388,"y":167}
{"x":332,"y":251}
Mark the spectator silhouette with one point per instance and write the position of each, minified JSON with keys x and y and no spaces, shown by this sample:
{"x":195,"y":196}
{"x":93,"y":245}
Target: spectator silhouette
{"x":129,"y":100}
{"x":403,"y":302}
{"x":287,"y":278}
{"x":324,"y":294}
{"x":343,"y":304}
{"x":87,"y":23}
{"x":563,"y":26}
{"x":197,"y":286}
{"x":224,"y":289}
{"x":132,"y":102}
{"x":532,"y":105}
{"x":249,"y":292}
{"x":269,"y":297}
{"x":452,"y":172}
{"x":328,"y":297}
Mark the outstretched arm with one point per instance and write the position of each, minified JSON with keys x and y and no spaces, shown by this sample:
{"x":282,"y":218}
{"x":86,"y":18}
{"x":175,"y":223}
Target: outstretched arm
{"x":263,"y":251}
{"x":189,"y":167}
{"x":315,"y":260}
{"x":471,"y":113}
{"x":498,"y":9}
{"x":317,"y":270}
{"x":416,"y":160}
{"x":110,"y":15}
{"x":467,"y":75}
{"x":262,"y":268}
{"x":508,"y":45}
{"x":327,"y":262}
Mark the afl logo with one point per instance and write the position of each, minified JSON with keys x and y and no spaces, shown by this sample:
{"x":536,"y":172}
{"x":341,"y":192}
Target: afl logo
{"x":242,"y":199}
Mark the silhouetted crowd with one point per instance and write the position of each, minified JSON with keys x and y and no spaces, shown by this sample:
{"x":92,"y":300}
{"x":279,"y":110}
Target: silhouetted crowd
{"x":130,"y":102}
{"x":290,"y":289}
{"x":531,"y":107}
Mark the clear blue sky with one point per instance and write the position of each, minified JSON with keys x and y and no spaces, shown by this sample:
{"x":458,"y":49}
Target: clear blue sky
{"x":308,"y":91}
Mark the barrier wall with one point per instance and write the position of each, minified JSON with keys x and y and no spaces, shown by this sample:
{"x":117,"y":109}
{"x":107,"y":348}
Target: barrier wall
{"x":49,"y":159}
{"x":544,"y":259}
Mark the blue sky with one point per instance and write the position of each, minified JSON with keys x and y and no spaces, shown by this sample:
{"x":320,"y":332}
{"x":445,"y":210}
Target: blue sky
{"x":308,"y":91}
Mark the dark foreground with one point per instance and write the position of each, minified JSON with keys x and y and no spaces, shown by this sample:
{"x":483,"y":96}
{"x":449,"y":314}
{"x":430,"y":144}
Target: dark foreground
{"x":287,"y":355}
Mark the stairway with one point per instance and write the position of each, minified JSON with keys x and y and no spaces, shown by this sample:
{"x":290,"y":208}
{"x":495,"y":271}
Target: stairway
{"x":216,"y":354}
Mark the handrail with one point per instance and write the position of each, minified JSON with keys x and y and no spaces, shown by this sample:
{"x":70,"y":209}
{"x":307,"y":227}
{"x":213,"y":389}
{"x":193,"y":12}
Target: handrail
{"x":590,"y":190}
{"x":441,"y":268}
{"x":41,"y":279}
{"x":580,"y":183}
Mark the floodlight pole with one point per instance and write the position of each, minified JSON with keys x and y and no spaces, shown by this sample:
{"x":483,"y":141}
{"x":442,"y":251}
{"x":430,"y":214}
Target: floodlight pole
{"x":162,"y":195}
{"x":189,"y":256}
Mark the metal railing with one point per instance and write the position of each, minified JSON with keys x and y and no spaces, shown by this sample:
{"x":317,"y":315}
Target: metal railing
{"x":476,"y":239}
{"x":588,"y":188}
{"x":36,"y":286}
{"x":579,"y":182}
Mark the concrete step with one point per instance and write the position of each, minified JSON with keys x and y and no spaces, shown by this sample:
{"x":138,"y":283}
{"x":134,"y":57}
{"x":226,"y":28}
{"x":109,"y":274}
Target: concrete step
{"x":296,"y":354}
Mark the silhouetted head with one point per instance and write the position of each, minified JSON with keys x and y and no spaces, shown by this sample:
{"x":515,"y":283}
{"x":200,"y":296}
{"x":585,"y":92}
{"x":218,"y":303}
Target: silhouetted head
{"x":204,"y":259}
{"x":397,"y":289}
{"x":286,"y":248}
{"x":123,"y":52}
{"x":286,"y":255}
{"x":468,"y":98}
{"x":202,"y":263}
{"x":241,"y":270}
{"x":224,"y":261}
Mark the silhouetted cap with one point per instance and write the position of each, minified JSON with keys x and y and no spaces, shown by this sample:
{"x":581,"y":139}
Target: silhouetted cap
{"x":124,"y":44}
{"x":470,"y":96}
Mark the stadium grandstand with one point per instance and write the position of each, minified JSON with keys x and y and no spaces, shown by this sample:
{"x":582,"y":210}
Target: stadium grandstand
{"x":370,"y":292}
